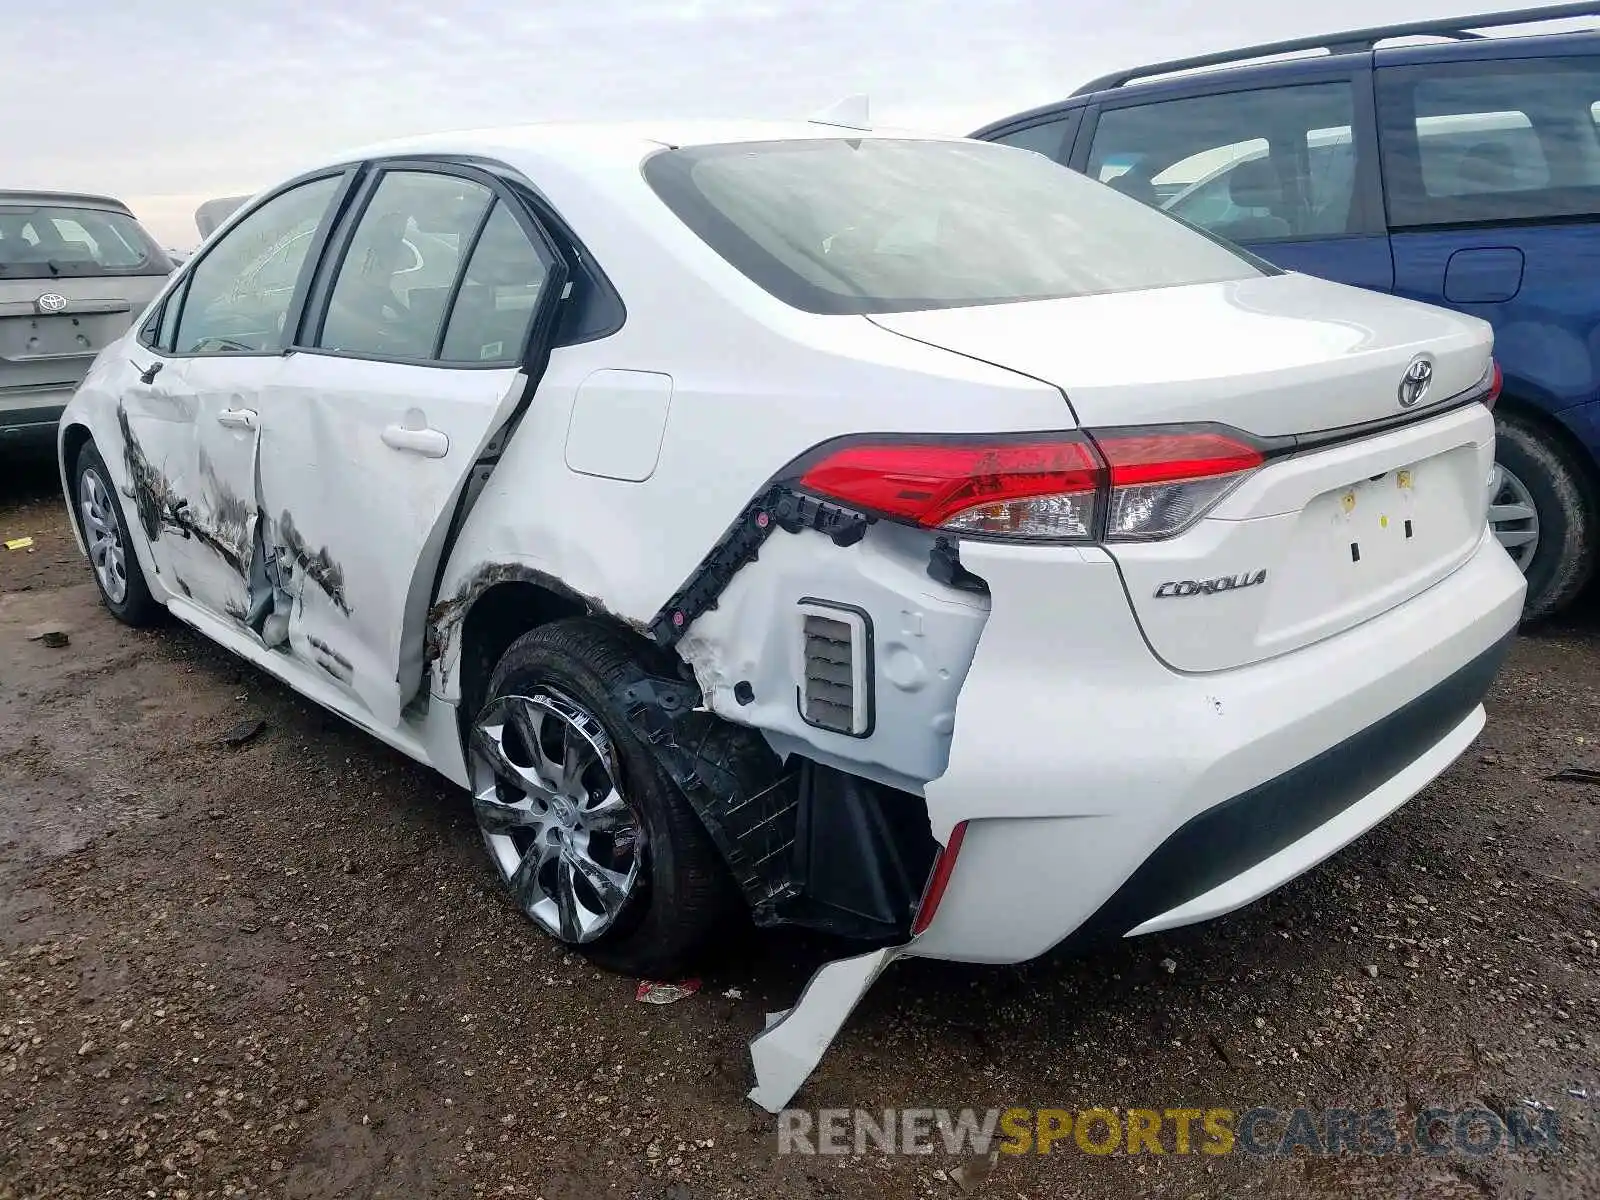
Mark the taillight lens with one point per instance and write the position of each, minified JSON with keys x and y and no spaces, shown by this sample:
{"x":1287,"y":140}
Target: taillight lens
{"x":1030,"y":489}
{"x":1115,"y":484}
{"x":1497,"y":380}
{"x":1163,"y":482}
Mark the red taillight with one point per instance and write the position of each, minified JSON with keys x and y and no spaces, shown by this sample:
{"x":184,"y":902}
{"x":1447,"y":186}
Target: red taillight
{"x":1116,"y":484}
{"x":939,"y":880}
{"x":1497,"y":380}
{"x":983,"y":487}
{"x":1151,"y":457}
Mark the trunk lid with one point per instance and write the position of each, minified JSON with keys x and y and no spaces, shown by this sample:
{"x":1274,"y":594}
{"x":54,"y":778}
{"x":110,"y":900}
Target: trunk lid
{"x":1316,"y":541}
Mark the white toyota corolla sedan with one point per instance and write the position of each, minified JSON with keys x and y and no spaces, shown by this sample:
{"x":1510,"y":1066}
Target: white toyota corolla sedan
{"x":899,"y":536}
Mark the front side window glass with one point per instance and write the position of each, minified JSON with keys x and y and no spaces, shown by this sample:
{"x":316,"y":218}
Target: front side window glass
{"x":239,"y":295}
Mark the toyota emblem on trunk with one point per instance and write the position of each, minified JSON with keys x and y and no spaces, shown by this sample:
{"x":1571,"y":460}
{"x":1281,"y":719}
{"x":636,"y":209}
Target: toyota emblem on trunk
{"x":1414,"y":383}
{"x":51,"y":302}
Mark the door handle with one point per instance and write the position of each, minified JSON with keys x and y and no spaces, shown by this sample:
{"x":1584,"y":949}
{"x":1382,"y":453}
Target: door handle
{"x":237,"y":418}
{"x":430,"y":443}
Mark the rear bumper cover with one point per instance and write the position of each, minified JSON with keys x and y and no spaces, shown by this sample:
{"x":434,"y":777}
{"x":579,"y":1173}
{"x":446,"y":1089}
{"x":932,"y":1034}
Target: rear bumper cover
{"x":1106,"y":794}
{"x":1235,"y":837}
{"x":35,"y":414}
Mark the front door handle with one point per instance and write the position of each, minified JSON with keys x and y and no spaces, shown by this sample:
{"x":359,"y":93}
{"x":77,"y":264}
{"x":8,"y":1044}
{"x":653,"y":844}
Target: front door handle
{"x":237,"y":418}
{"x":430,"y":443}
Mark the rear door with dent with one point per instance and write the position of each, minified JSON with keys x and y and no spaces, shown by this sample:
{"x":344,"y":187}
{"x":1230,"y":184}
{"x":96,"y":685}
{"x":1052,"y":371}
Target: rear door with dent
{"x":426,"y":333}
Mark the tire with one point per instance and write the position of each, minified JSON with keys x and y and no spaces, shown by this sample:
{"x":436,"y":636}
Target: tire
{"x":117,"y":573}
{"x":1563,"y":498}
{"x":680,"y":895}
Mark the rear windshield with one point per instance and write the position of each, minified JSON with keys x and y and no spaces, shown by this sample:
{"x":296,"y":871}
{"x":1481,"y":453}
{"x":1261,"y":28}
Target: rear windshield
{"x":877,"y":225}
{"x":45,"y":241}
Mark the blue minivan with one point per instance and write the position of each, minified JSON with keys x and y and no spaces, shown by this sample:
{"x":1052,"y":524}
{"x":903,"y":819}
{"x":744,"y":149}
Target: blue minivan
{"x":1463,"y":172}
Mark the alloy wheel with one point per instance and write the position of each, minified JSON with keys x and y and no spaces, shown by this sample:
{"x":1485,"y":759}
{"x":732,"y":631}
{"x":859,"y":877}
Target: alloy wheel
{"x":545,"y":788}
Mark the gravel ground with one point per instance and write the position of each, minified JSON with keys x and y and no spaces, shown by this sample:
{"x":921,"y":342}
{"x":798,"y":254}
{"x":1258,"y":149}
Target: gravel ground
{"x":284,"y":969}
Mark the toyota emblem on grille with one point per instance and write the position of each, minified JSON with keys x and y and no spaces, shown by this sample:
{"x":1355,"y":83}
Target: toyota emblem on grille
{"x":51,"y":302}
{"x":1414,"y":383}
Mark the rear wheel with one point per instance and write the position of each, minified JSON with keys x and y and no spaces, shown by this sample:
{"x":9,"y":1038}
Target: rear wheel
{"x":116,"y":566}
{"x":592,"y":838}
{"x":1542,"y":509}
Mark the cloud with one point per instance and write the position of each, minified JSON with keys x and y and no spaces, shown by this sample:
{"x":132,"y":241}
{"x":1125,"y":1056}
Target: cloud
{"x":169,"y":100}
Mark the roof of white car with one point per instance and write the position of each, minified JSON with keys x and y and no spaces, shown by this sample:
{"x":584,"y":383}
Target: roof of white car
{"x":585,"y":141}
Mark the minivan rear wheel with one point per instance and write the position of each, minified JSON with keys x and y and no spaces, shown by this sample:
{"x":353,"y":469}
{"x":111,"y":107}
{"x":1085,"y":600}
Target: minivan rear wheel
{"x":1542,"y":508}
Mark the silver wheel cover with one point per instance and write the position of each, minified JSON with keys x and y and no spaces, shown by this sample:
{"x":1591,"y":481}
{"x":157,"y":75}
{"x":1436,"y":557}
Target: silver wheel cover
{"x":1513,"y":516}
{"x":103,"y":532}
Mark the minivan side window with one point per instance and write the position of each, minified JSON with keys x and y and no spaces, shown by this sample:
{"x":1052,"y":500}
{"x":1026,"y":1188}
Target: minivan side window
{"x":1484,"y":141}
{"x":237,"y":298}
{"x":1262,"y":165}
{"x":1048,"y":139}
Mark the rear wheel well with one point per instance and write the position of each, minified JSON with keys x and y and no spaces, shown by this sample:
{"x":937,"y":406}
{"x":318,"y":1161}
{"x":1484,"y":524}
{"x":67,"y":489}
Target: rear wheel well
{"x":1563,"y":438}
{"x":496,"y":619}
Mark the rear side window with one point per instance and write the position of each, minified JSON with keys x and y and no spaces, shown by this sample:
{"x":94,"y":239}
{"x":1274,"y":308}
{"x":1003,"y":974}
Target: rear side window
{"x":401,"y":266}
{"x":1254,"y":166}
{"x":498,"y":295}
{"x":869,"y":225}
{"x":48,"y":241}
{"x":1470,"y":142}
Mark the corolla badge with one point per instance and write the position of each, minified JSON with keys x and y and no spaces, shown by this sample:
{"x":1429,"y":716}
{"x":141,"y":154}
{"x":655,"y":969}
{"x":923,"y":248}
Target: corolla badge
{"x":1180,"y":588}
{"x":51,"y":302}
{"x":1414,"y":383}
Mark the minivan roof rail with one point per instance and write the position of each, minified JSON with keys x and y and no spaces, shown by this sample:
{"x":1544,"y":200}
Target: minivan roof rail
{"x":1459,"y":28}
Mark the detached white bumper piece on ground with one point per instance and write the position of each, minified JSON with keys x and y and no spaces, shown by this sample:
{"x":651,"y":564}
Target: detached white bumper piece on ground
{"x":895,"y":536}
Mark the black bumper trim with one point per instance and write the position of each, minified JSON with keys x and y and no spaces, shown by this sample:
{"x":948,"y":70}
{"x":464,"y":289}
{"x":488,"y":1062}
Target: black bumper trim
{"x":1230,"y":838}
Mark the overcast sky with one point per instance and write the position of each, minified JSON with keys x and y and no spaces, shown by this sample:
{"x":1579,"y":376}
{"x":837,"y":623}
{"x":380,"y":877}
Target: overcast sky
{"x":165,"y":103}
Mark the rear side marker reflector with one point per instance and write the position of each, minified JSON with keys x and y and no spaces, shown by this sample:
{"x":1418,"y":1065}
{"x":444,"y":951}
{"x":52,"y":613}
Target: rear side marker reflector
{"x":939,"y":880}
{"x":1112,"y":485}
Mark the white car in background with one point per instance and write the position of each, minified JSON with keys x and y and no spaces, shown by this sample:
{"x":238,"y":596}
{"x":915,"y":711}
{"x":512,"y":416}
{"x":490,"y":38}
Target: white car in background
{"x":899,"y":536}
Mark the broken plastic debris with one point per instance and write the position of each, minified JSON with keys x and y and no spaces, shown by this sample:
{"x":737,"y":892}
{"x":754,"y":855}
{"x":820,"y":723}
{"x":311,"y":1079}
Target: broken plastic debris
{"x":1578,"y":1093}
{"x":1537,"y":1105}
{"x":733,"y":993}
{"x":21,"y":543}
{"x":788,"y":1050}
{"x":653,"y":992}
{"x":973,"y":1172}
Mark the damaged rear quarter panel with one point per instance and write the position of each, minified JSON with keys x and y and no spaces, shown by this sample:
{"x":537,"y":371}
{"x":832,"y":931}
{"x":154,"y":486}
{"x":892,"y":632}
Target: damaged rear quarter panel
{"x":923,"y":637}
{"x":755,"y":385}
